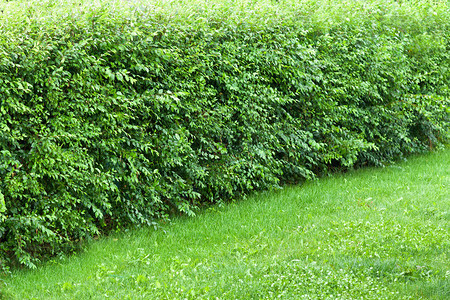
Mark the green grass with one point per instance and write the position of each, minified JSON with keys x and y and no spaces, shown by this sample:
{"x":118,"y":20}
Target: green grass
{"x":369,"y":234}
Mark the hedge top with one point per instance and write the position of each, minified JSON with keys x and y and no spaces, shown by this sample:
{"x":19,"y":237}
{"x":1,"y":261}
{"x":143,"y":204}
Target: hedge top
{"x":16,"y":15}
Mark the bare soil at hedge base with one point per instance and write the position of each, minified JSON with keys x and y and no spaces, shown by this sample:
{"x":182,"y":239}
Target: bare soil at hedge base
{"x":113,"y":117}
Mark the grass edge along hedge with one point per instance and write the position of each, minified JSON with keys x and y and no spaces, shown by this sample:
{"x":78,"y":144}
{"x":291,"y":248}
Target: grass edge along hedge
{"x":111,"y":118}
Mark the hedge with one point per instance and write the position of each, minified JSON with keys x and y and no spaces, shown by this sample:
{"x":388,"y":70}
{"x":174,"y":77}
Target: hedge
{"x":118,"y":114}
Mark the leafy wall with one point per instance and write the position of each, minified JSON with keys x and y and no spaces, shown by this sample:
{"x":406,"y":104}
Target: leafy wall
{"x":116,"y":114}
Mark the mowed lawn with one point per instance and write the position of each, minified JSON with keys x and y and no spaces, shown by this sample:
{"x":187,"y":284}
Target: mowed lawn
{"x":379,"y":233}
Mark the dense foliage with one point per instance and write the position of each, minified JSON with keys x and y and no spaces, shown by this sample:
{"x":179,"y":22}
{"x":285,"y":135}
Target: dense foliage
{"x":115,"y":114}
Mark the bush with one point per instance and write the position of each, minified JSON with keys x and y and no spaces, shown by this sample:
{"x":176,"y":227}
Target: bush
{"x":115,"y":114}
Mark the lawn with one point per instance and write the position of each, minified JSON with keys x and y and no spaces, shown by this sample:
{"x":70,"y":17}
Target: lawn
{"x":378,"y":233}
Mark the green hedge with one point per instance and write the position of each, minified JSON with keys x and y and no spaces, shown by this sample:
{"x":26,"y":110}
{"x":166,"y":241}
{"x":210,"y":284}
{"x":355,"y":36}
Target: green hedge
{"x":111,"y":118}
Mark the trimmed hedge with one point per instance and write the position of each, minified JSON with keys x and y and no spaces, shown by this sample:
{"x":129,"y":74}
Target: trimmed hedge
{"x":111,"y":118}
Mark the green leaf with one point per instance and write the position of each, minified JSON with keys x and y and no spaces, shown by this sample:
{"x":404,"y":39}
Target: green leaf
{"x":2,"y":203}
